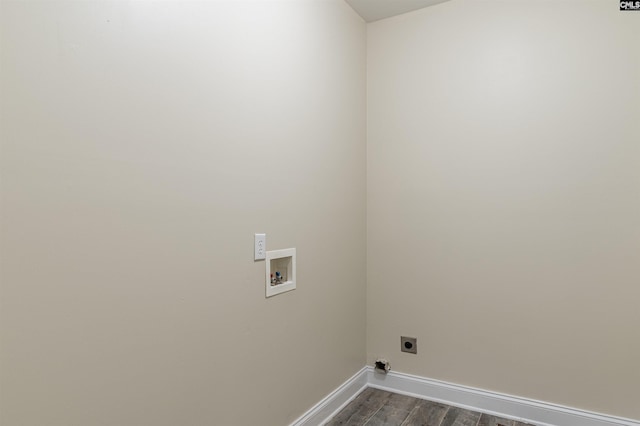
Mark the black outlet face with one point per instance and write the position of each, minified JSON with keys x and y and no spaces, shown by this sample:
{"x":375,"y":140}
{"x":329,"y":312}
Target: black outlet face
{"x":409,"y":344}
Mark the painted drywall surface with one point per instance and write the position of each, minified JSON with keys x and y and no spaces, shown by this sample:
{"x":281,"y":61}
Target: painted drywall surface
{"x":143,"y":143}
{"x":504,"y":198}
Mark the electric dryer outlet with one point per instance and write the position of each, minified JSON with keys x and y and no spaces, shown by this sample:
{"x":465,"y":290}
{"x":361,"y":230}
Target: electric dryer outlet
{"x":409,"y":344}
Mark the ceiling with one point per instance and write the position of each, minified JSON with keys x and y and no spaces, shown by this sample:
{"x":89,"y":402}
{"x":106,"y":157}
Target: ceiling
{"x":373,"y":10}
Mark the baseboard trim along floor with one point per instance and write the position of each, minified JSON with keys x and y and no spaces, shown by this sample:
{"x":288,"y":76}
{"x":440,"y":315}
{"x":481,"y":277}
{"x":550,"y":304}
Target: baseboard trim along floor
{"x":522,"y":409}
{"x":335,"y":401}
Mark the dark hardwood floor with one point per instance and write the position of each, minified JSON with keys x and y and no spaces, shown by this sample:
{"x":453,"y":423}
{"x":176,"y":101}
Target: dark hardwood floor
{"x":374,"y":407}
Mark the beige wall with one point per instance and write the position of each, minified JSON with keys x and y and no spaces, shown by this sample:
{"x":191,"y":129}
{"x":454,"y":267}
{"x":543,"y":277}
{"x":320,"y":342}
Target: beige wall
{"x":143,"y":144}
{"x":504,"y":198}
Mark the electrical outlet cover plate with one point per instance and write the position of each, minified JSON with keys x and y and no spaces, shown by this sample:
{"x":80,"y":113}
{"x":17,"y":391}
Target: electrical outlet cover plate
{"x":260,"y":246}
{"x":409,"y":344}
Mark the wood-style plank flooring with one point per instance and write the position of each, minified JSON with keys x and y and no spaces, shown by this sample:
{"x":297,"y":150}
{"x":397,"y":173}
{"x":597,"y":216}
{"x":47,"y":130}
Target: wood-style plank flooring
{"x":375,"y":407}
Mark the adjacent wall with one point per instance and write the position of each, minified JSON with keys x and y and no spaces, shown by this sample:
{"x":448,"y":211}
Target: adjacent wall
{"x":504,"y":198}
{"x":143,"y":143}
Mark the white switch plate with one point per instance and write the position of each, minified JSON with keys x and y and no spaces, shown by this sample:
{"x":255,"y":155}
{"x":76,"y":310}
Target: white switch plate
{"x":260,"y":249}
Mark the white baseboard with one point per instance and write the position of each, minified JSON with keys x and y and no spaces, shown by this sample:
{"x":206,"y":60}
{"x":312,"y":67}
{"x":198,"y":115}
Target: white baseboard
{"x":330,"y":405}
{"x":511,"y":407}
